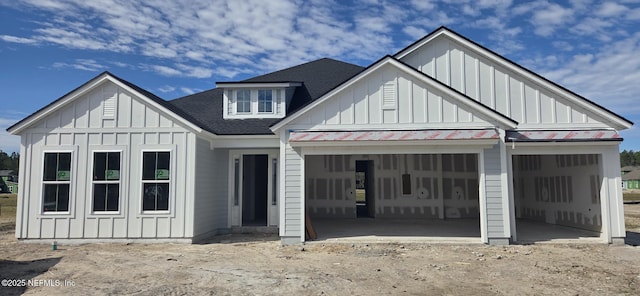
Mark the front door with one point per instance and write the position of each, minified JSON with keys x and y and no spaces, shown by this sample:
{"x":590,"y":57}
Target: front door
{"x":255,"y":177}
{"x":253,"y":189}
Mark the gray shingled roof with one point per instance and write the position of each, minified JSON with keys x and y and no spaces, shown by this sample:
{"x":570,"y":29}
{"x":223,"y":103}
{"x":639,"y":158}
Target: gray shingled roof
{"x":318,"y":77}
{"x":633,"y":175}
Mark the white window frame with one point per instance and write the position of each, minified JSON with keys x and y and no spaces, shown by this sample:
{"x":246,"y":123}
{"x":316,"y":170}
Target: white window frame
{"x":94,"y":182}
{"x":272,"y":91}
{"x":171,"y":196}
{"x":72,"y":167}
{"x":237,"y":101}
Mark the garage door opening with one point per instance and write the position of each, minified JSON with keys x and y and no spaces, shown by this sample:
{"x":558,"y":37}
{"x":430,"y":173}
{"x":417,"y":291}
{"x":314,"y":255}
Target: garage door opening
{"x":557,"y":197}
{"x":403,"y":195}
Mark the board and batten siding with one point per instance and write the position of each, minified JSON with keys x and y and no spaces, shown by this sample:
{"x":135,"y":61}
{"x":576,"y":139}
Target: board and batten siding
{"x":507,"y":92}
{"x":108,"y":118}
{"x":390,"y":98}
{"x":493,"y":191}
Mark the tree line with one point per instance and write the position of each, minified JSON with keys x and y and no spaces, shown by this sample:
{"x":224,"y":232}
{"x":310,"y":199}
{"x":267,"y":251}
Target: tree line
{"x":629,"y":158}
{"x":9,"y":161}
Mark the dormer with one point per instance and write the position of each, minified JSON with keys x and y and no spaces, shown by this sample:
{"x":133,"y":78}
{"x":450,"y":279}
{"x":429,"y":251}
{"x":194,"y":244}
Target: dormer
{"x":243,"y":100}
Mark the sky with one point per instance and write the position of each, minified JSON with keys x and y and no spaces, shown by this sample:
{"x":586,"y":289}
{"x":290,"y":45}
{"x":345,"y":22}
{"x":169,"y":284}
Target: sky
{"x":176,"y":48}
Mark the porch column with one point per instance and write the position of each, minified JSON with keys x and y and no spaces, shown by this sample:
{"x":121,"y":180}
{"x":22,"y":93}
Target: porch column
{"x":611,"y":193}
{"x":292,"y":204}
{"x":496,"y":195}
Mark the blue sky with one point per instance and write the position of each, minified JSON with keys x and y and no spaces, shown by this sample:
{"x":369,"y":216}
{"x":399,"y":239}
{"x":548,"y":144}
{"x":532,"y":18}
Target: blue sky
{"x":175,"y":48}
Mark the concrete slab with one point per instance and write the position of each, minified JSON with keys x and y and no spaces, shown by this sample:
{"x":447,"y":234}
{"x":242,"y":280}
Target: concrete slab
{"x":369,"y":230}
{"x":537,"y":232}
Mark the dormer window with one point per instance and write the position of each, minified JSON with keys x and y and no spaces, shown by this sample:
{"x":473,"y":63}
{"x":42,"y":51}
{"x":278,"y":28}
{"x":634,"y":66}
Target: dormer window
{"x":256,"y":100}
{"x":265,"y":101}
{"x":243,"y":101}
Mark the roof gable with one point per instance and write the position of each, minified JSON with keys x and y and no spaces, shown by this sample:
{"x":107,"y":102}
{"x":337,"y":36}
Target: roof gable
{"x":317,"y":77}
{"x":92,"y":85}
{"x":503,"y":85}
{"x":360,"y":101}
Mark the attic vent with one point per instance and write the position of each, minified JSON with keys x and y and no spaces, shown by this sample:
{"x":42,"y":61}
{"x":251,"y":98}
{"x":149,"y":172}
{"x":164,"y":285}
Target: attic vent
{"x":109,"y":108}
{"x":389,"y":95}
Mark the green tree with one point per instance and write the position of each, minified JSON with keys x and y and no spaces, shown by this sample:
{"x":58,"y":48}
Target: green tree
{"x":627,"y":158}
{"x":9,"y":162}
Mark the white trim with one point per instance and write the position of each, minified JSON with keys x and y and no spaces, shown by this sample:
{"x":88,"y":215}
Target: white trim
{"x":73,"y":150}
{"x":92,"y":84}
{"x":482,"y":198}
{"x":303,"y":198}
{"x":257,"y":84}
{"x":124,"y":175}
{"x":173,"y":179}
{"x":239,"y":154}
{"x":600,"y":111}
{"x":511,"y":196}
{"x":245,"y":142}
{"x":483,"y":112}
{"x":504,"y":183}
{"x":230,"y":103}
{"x":282,"y":182}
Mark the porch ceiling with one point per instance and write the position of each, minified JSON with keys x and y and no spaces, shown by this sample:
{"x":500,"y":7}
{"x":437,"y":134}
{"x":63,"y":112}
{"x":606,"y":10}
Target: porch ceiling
{"x":393,"y":135}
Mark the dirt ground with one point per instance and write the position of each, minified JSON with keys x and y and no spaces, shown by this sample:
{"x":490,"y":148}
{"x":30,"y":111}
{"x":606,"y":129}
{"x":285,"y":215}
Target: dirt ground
{"x":259,"y":265}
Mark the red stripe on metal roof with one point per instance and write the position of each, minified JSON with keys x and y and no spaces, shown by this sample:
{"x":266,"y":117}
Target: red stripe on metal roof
{"x":568,"y":135}
{"x":414,"y":135}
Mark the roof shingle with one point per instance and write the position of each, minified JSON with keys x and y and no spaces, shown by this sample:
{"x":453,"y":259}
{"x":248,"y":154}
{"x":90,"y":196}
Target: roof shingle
{"x":317,"y":77}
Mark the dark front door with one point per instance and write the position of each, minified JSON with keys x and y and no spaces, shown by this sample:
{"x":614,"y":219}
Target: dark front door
{"x":255,"y":175}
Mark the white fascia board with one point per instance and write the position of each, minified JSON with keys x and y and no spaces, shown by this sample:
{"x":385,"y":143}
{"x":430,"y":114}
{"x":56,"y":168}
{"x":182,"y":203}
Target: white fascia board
{"x":408,"y":70}
{"x":151,"y":102}
{"x":61,"y":103}
{"x":320,"y":100}
{"x":257,"y":84}
{"x":621,"y":124}
{"x":87,"y":88}
{"x":245,"y":141}
{"x":405,"y":52}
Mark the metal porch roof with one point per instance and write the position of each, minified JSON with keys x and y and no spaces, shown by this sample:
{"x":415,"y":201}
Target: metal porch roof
{"x":562,"y":136}
{"x":409,"y":135}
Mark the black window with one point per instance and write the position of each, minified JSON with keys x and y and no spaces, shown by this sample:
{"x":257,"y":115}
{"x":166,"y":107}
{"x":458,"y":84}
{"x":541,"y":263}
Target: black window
{"x":156,"y":175}
{"x":106,"y":181}
{"x":56,"y":181}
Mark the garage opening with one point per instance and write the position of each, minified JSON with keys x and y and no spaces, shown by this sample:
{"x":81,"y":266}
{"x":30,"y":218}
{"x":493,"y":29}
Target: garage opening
{"x":557,"y":197}
{"x":386,"y":195}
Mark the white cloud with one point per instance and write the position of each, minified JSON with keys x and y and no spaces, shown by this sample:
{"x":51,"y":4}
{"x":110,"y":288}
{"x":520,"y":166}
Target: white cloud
{"x":188,"y":91}
{"x":228,"y":39}
{"x":610,"y":9}
{"x":547,"y":19}
{"x":14,"y":39}
{"x":8,"y":143}
{"x":166,"y":88}
{"x":81,"y":64}
{"x":609,"y":75}
{"x":165,"y":71}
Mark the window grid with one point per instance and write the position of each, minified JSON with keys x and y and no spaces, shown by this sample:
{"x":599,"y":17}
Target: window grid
{"x":265,"y":101}
{"x":56,"y":181}
{"x":106,"y":181}
{"x":243,"y":101}
{"x":156,"y":177}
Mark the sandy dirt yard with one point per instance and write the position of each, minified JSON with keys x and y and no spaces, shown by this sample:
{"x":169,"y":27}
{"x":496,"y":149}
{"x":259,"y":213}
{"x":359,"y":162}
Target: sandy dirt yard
{"x":259,"y":265}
